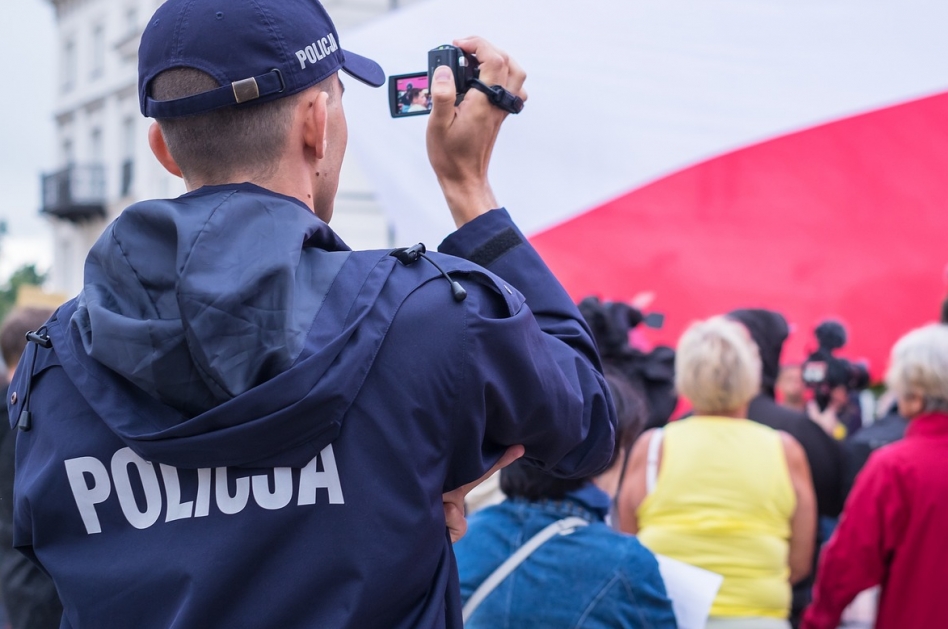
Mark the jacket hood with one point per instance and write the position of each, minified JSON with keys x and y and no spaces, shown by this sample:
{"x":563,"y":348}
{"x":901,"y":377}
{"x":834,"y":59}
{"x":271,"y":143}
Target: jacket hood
{"x":192,"y":335}
{"x":769,"y":330}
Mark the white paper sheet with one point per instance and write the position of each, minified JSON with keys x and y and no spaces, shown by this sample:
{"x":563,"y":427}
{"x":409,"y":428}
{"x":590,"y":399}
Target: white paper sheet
{"x":691,"y":590}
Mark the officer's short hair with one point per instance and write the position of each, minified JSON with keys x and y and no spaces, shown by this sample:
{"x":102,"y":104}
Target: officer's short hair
{"x":215,"y":145}
{"x":13,"y":331}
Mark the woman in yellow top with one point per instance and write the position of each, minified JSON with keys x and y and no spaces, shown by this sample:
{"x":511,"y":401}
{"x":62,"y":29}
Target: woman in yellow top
{"x":722,"y":492}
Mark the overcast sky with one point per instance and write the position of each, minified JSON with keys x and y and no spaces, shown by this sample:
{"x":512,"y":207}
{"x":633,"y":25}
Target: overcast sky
{"x":28,"y":65}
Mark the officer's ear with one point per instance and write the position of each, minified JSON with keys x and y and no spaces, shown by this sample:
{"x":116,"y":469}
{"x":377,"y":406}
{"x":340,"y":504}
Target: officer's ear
{"x":315,"y":111}
{"x":156,"y":140}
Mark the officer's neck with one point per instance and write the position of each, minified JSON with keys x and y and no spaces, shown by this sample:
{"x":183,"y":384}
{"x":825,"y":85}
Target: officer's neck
{"x":281,"y":182}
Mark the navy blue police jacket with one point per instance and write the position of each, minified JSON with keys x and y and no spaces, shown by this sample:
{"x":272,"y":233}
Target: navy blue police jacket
{"x":242,"y":423}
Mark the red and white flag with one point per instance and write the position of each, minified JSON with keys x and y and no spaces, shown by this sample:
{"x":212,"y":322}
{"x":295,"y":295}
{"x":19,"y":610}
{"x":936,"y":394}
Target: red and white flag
{"x":723,"y":153}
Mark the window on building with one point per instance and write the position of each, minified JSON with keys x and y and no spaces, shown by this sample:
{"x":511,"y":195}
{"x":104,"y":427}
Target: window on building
{"x":98,"y":51}
{"x":95,"y":146}
{"x":128,"y":156}
{"x":68,"y":64}
{"x":67,"y":156}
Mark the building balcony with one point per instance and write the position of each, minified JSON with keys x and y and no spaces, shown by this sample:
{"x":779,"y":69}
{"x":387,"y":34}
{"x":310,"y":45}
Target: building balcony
{"x":76,"y":193}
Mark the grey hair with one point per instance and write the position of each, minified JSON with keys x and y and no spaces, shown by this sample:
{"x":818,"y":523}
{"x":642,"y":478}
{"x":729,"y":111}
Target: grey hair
{"x":717,"y":366}
{"x":919,"y":365}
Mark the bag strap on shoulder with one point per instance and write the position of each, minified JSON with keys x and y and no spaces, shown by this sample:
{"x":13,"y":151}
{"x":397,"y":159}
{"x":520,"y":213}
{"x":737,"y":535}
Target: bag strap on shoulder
{"x":565,"y":526}
{"x":651,"y":465}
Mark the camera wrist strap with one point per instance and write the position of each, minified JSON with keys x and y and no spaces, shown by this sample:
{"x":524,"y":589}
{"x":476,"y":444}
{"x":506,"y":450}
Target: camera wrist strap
{"x":499,"y":97}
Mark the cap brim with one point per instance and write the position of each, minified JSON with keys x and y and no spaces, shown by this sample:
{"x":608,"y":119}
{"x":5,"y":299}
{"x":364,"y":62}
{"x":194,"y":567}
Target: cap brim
{"x":363,"y":69}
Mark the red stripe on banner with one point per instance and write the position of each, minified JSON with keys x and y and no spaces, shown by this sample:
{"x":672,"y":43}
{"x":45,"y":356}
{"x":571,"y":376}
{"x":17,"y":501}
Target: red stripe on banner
{"x":846,"y":220}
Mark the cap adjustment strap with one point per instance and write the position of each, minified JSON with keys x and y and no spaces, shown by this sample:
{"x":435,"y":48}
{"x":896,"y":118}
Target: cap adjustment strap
{"x":245,"y":90}
{"x":234,"y":94}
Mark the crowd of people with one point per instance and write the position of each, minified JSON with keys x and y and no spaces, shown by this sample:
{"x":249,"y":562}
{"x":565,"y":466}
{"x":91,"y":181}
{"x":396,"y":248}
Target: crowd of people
{"x":240,"y":422}
{"x":741,"y":485}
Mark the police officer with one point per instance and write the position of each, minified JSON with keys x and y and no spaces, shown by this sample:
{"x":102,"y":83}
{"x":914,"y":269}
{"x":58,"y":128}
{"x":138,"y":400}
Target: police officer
{"x":239,"y":422}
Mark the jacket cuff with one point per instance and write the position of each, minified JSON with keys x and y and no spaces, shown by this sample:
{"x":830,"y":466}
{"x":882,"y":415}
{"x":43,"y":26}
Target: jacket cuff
{"x":495,"y":243}
{"x":485,"y":239}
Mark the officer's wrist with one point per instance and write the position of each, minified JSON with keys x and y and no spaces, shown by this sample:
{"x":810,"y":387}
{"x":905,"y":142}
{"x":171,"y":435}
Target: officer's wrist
{"x":467,"y":201}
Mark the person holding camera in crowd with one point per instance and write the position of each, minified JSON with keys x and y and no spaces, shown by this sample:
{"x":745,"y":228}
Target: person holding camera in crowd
{"x":240,"y":422}
{"x":721,"y":492}
{"x":835,"y":383}
{"x":892,"y":531}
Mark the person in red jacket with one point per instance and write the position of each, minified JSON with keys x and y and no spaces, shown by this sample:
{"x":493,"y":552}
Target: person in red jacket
{"x":892,"y":531}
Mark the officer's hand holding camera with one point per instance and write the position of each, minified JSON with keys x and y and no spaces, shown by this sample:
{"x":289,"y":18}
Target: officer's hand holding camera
{"x":460,"y":139}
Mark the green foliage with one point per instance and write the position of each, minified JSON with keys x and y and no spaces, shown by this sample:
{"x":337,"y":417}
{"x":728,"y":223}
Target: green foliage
{"x":26,"y":274}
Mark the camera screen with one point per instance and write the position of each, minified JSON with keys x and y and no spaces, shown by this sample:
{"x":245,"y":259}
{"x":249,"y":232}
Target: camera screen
{"x":409,"y":95}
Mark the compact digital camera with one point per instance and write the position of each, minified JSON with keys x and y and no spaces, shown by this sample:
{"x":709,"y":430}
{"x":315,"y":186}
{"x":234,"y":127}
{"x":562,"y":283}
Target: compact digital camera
{"x":410,"y":94}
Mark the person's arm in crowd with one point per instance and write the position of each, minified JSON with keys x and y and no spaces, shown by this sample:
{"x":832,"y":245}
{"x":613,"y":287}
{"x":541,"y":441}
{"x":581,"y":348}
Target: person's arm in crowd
{"x":803,"y":521}
{"x":856,"y":557}
{"x":535,"y":373}
{"x":634,"y":489}
{"x":827,"y":419}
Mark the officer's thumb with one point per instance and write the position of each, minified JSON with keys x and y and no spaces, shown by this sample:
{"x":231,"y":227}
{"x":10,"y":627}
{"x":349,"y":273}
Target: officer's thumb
{"x":443,"y":95}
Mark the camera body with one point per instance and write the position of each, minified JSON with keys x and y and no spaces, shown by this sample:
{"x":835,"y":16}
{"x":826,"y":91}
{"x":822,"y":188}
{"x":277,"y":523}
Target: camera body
{"x":823,"y":371}
{"x":464,"y":66}
{"x":650,"y":373}
{"x":410,"y":95}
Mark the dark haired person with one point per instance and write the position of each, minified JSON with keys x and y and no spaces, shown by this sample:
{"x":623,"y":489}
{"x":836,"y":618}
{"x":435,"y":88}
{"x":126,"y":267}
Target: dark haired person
{"x":592,"y":577}
{"x":791,"y":388}
{"x":242,"y":423}
{"x":768,"y":329}
{"x":632,"y":411}
{"x":28,"y":594}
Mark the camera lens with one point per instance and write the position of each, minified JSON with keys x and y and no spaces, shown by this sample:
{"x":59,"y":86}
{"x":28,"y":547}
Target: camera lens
{"x":438,"y":61}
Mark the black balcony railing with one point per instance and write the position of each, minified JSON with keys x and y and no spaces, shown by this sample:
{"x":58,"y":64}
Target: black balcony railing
{"x":76,"y":193}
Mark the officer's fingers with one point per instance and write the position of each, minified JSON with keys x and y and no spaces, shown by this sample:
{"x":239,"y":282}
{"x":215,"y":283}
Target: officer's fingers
{"x":493,"y":61}
{"x":515,"y":79}
{"x":509,"y":456}
{"x":455,"y":521}
{"x":512,"y":454}
{"x":443,"y":96}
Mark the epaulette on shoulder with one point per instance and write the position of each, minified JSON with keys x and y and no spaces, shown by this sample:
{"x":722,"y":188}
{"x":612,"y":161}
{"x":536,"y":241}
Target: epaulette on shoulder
{"x":458,"y":271}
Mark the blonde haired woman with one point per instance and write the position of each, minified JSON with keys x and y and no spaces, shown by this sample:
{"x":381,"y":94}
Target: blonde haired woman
{"x":721,"y":492}
{"x":892,"y":531}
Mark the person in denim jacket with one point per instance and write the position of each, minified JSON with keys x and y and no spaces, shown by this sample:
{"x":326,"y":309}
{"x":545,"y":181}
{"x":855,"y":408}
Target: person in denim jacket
{"x":594,"y":577}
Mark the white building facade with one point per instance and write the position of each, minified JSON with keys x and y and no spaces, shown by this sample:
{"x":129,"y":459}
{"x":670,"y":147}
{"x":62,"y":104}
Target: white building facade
{"x":104,"y":163}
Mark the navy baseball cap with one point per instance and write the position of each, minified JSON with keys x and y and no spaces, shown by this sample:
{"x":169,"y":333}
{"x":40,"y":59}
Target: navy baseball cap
{"x":257,"y":50}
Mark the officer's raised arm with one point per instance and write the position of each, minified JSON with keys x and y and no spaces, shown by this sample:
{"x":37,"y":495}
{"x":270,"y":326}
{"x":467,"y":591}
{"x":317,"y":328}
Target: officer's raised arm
{"x":461,"y":139}
{"x":535,"y":374}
